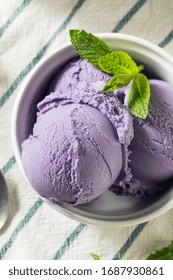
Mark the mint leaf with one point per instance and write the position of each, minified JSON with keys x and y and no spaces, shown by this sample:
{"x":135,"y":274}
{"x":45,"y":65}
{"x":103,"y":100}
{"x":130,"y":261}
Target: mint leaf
{"x":117,"y":81}
{"x":88,"y":46}
{"x":95,"y":257}
{"x":111,"y":85}
{"x":124,"y":79}
{"x":118,"y":62}
{"x":139,"y":96}
{"x":164,"y":254}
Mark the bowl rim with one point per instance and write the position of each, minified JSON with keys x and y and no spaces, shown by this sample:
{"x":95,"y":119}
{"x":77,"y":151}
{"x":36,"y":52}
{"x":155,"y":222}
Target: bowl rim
{"x":61,"y":208}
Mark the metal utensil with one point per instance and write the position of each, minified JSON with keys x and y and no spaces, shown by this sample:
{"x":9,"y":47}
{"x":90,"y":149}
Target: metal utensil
{"x":3,"y":201}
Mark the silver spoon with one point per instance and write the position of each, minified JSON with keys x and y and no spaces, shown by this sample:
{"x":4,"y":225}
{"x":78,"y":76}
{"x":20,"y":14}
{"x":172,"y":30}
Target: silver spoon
{"x":3,"y":201}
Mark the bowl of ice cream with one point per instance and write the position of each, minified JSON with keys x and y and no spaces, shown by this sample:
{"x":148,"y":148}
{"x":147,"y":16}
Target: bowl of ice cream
{"x":82,"y":150}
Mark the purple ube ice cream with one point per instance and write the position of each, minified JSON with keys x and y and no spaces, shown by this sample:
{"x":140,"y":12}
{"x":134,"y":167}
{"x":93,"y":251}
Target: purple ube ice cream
{"x":83,"y":144}
{"x":151,"y":160}
{"x":79,"y":144}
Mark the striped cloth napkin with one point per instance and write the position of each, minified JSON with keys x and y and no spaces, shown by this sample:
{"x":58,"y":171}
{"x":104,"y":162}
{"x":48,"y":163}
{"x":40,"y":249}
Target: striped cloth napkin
{"x":30,"y":29}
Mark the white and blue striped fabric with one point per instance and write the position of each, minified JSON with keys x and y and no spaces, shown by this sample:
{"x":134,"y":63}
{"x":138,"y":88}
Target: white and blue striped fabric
{"x":29,"y":29}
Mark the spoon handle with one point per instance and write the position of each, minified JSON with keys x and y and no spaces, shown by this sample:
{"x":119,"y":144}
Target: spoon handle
{"x":3,"y":200}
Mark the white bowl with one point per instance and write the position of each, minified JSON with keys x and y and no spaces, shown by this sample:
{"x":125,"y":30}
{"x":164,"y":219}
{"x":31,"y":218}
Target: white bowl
{"x":108,"y":210}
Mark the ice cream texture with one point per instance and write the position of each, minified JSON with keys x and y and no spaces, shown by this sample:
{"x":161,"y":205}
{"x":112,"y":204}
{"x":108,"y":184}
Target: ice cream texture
{"x":151,"y":159}
{"x":85,"y":142}
{"x":79,"y":143}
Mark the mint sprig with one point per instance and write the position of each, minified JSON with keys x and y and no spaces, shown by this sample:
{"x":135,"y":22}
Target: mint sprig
{"x":95,"y":257}
{"x":119,"y":65}
{"x":164,"y":254}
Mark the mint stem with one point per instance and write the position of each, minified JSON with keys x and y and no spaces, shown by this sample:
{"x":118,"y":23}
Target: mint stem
{"x":140,"y":68}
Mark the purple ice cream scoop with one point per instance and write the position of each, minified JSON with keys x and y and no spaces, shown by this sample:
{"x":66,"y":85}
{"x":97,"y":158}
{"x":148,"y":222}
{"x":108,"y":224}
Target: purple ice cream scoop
{"x":78,"y":74}
{"x":151,"y":157}
{"x":85,"y":142}
{"x":79,"y":145}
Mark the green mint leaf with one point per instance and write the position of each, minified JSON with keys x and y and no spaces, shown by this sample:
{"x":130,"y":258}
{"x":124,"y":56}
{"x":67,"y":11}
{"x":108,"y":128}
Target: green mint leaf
{"x":118,"y":62}
{"x":111,"y":85}
{"x":124,"y":79}
{"x":139,"y":96}
{"x":95,"y":257}
{"x":118,"y":81}
{"x":164,"y":254}
{"x":88,"y":46}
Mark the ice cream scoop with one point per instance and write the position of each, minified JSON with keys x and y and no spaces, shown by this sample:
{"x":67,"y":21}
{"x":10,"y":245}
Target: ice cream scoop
{"x":83,"y":144}
{"x":77,"y":148}
{"x":76,"y":157}
{"x":80,"y":74}
{"x":151,"y":157}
